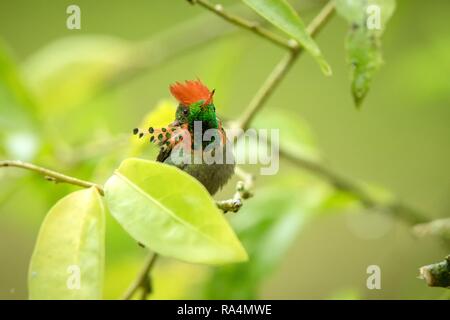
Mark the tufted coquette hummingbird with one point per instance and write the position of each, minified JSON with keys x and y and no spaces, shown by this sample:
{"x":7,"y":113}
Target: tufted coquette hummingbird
{"x":195,"y":142}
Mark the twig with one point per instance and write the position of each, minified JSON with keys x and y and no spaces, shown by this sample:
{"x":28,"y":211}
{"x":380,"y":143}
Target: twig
{"x":397,"y":208}
{"x":438,"y":274}
{"x":322,"y":18}
{"x":246,"y":181}
{"x":51,"y":175}
{"x":245,"y":24}
{"x":142,"y":280}
{"x":243,"y":192}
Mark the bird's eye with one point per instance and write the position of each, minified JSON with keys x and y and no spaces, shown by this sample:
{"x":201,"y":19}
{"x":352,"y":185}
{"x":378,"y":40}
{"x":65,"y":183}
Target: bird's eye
{"x":185,"y":111}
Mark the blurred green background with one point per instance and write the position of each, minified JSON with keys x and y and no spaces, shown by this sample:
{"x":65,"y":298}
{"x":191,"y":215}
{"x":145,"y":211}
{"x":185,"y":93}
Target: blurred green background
{"x":68,"y":99}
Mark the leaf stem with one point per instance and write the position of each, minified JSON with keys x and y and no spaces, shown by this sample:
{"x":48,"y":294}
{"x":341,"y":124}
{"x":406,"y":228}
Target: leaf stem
{"x":51,"y":175}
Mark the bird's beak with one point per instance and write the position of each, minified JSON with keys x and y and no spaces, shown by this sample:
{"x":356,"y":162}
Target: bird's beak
{"x":209,"y":100}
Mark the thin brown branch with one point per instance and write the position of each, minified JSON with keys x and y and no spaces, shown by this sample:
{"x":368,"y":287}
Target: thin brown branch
{"x":245,"y":24}
{"x":142,"y":281}
{"x":50,"y":174}
{"x":395,"y":208}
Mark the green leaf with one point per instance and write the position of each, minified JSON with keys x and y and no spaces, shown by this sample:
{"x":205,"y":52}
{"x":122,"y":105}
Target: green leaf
{"x":68,"y":259}
{"x":267,"y":226}
{"x":171,"y":213}
{"x":363,"y":44}
{"x":283,"y":16}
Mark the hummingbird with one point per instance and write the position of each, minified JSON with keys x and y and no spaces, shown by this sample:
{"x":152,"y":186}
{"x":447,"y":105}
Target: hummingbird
{"x":195,"y":141}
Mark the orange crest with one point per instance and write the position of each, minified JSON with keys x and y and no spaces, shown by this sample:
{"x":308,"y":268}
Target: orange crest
{"x":191,"y":91}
